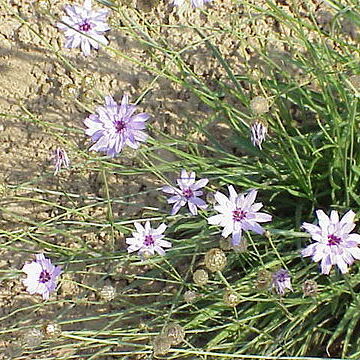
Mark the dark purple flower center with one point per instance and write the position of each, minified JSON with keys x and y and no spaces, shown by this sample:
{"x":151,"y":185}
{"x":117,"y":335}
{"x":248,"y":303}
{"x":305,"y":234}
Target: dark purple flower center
{"x":187,"y":193}
{"x":281,"y":277}
{"x":239,"y":215}
{"x":149,"y":240}
{"x":85,"y":26}
{"x":333,"y":240}
{"x":44,"y":277}
{"x":120,"y":126}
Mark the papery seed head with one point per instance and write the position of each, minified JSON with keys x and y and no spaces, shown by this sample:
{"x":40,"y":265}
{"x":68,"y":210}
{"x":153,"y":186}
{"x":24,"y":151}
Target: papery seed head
{"x":231,"y":298}
{"x":161,"y":345}
{"x":310,"y":288}
{"x":175,"y":332}
{"x":32,"y":338}
{"x":200,"y":277}
{"x":107,"y":293}
{"x":190,"y":296}
{"x":259,"y":105}
{"x":215,"y":260}
{"x":52,"y":330}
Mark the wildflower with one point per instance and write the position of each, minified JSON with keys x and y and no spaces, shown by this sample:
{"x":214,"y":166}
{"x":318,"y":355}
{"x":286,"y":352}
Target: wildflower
{"x":281,"y":281}
{"x":194,"y":3}
{"x":200,"y":277}
{"x":115,"y":126}
{"x":258,"y":133}
{"x":310,"y":288}
{"x":334,"y":244}
{"x":148,"y":241}
{"x":187,"y":194}
{"x":174,"y":332}
{"x":41,"y":276}
{"x":60,"y":159}
{"x":231,"y":298}
{"x":215,"y":260}
{"x":84,"y":27}
{"x":237,"y":213}
{"x":259,"y":105}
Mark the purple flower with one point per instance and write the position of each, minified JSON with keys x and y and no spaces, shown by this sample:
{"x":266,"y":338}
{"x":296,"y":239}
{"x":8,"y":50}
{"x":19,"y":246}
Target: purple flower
{"x":334,"y":244}
{"x":148,"y":241}
{"x":281,"y":280}
{"x":84,"y":27}
{"x":188,"y":193}
{"x":258,"y":133}
{"x":115,"y":126}
{"x":41,"y":276}
{"x":194,"y":3}
{"x":60,"y":159}
{"x":237,"y":213}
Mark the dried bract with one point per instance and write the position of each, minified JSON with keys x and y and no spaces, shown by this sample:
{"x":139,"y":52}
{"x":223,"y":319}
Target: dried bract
{"x":231,"y":298}
{"x":215,"y":260}
{"x":174,"y":332}
{"x":310,"y":288}
{"x":200,"y":277}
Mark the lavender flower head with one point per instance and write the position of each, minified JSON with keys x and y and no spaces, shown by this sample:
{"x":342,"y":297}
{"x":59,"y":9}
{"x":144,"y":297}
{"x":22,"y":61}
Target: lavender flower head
{"x":258,"y":133}
{"x":115,"y":126}
{"x":60,"y":159}
{"x":84,"y":27}
{"x":237,"y":213}
{"x":281,"y":280}
{"x":334,"y":245}
{"x":194,"y":3}
{"x":41,"y":276}
{"x":148,"y":241}
{"x":187,"y":193}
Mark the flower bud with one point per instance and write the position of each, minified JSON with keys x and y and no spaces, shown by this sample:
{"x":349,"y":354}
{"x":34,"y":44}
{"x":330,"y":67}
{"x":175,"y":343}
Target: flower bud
{"x":310,"y":288}
{"x":263,"y":280}
{"x":200,"y":277}
{"x":259,"y":105}
{"x":241,"y":247}
{"x":210,"y":198}
{"x":215,"y":260}
{"x":174,"y":332}
{"x":258,"y":132}
{"x":231,"y":298}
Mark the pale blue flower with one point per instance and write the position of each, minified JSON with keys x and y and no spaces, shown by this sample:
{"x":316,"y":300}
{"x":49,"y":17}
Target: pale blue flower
{"x":115,"y":126}
{"x":334,"y":245}
{"x":281,"y":280}
{"x":148,"y":241}
{"x":41,"y":276}
{"x":187,"y":193}
{"x":238,"y":213}
{"x":84,"y":27}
